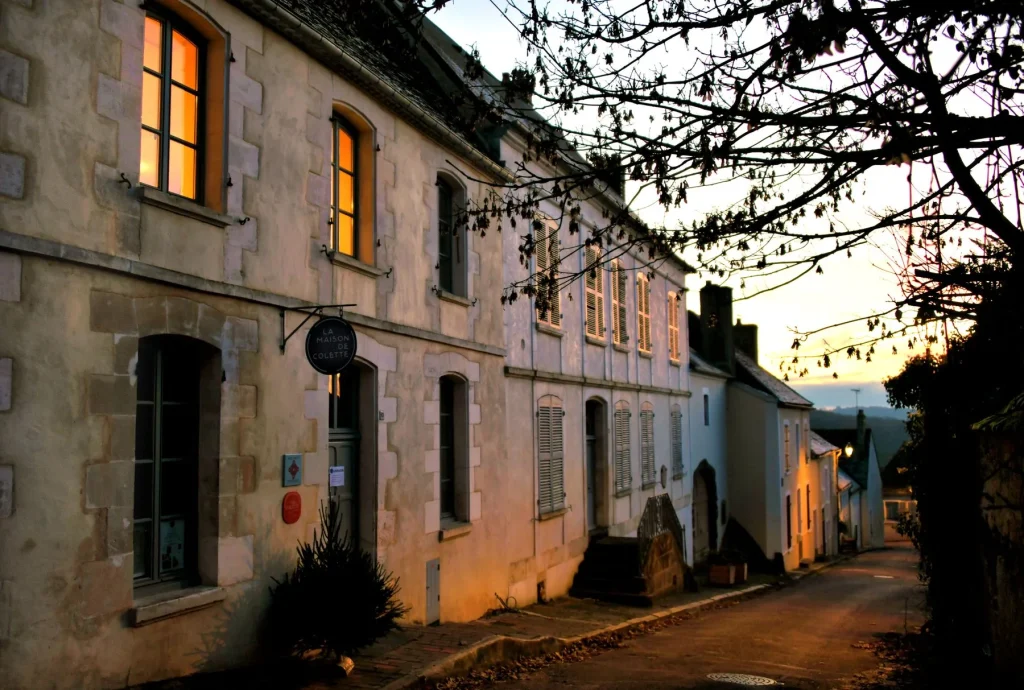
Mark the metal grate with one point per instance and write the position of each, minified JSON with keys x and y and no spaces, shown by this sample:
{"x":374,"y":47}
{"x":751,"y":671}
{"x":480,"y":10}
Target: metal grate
{"x":742,"y":679}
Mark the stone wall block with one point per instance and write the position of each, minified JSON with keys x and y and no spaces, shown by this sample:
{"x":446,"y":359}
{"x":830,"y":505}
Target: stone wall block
{"x":13,"y":77}
{"x":10,"y":277}
{"x":122,"y":437}
{"x":248,"y":476}
{"x":237,"y":400}
{"x":243,"y":236}
{"x":12,"y":175}
{"x":111,"y":395}
{"x":6,"y":383}
{"x":318,"y":190}
{"x":123,"y":20}
{"x":475,"y":506}
{"x":151,"y":315}
{"x":246,"y":91}
{"x":242,"y":334}
{"x":234,"y":560}
{"x":106,"y":586}
{"x":251,"y":437}
{"x":229,"y":436}
{"x":182,"y":316}
{"x":227,"y":516}
{"x":227,"y":484}
{"x":111,"y":313}
{"x":211,"y":325}
{"x":117,"y":100}
{"x":110,"y":485}
{"x":244,"y":157}
{"x":119,"y":530}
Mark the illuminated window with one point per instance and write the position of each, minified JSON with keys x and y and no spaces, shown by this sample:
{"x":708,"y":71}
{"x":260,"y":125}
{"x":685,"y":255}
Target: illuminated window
{"x":171,"y":151}
{"x":343,"y":189}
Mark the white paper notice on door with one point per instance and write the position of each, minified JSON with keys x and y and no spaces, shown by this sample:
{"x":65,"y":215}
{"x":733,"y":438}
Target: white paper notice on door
{"x":336,"y":475}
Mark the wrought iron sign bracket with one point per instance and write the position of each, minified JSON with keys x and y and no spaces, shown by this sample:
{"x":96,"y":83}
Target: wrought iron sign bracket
{"x":310,"y":312}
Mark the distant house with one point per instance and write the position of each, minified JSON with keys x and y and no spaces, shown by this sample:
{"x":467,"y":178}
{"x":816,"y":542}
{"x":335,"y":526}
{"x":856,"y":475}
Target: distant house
{"x":859,"y":460}
{"x":849,"y":507}
{"x":708,"y":448}
{"x":770,"y":477}
{"x":898,"y":499}
{"x":826,"y":455}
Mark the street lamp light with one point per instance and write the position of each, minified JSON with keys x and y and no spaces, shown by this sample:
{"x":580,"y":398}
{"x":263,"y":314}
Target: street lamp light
{"x":848,"y":450}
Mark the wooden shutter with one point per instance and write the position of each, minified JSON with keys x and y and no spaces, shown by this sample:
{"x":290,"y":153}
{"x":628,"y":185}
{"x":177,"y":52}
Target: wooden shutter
{"x":549,"y":310}
{"x":673,"y":326}
{"x":623,"y":480}
{"x":677,"y":442}
{"x":647,"y":468}
{"x":619,"y":304}
{"x":643,"y":311}
{"x":551,"y":485}
{"x":595,"y":293}
{"x":647,"y":314}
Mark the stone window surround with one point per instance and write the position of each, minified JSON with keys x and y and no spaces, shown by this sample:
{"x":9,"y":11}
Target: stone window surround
{"x":225,"y":557}
{"x":434,"y":367}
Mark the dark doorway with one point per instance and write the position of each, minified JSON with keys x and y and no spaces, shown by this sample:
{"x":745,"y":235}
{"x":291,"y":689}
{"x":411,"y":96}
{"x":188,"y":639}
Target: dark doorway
{"x":595,"y":454}
{"x":705,"y":512}
{"x":352,"y":412}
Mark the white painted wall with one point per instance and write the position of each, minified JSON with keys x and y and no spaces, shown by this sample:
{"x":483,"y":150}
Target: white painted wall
{"x":752,"y":422}
{"x":709,"y":443}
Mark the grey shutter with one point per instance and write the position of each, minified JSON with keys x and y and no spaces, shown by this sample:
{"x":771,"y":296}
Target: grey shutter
{"x":647,"y":446}
{"x":677,"y":443}
{"x":623,"y":480}
{"x":557,"y":476}
{"x":592,"y":274}
{"x":551,"y":483}
{"x":544,"y":458}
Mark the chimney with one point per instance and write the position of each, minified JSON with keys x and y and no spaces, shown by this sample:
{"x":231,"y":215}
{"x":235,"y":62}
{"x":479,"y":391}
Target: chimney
{"x":693,"y":332}
{"x":861,"y":434}
{"x":745,"y":336}
{"x":716,"y":326}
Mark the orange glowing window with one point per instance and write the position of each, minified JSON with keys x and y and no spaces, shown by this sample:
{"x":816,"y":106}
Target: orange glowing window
{"x":171,"y":102}
{"x":343,"y":189}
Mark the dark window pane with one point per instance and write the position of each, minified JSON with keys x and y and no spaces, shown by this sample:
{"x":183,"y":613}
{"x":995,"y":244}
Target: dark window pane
{"x":177,"y":431}
{"x":143,"y":549}
{"x":172,"y":545}
{"x":144,"y":431}
{"x":143,"y":490}
{"x":145,"y":370}
{"x":180,"y":374}
{"x":176,"y":487}
{"x":347,"y":398}
{"x":447,"y":447}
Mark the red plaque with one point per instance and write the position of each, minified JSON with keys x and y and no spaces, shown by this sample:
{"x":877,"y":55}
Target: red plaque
{"x":291,"y":507}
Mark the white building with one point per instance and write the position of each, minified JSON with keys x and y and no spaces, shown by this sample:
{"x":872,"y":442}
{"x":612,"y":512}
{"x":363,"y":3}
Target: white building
{"x":859,"y":460}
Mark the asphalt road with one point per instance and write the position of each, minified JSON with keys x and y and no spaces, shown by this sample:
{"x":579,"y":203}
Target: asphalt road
{"x":804,"y":636}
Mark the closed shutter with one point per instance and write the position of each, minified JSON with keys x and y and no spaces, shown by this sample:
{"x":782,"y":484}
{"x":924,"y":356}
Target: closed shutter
{"x":643,"y":311}
{"x":647,"y":469}
{"x":549,"y":303}
{"x":551,"y":491}
{"x":673,"y":326}
{"x":623,"y":479}
{"x":677,"y":442}
{"x":647,"y":315}
{"x":619,"y":304}
{"x":595,"y":293}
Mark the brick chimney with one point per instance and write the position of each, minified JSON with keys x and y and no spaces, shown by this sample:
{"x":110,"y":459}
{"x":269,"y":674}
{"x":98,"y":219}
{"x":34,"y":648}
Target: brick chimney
{"x":716,"y":326}
{"x":745,"y":337}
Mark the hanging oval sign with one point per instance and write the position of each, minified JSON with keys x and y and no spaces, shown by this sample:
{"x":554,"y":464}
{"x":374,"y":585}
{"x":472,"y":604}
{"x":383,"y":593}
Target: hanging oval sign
{"x":330,"y":345}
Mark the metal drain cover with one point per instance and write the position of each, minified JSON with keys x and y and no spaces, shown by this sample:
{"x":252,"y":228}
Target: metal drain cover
{"x":741,"y":679}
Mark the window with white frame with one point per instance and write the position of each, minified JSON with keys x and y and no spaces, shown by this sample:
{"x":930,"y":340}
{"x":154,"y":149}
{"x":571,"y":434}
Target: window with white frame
{"x":677,"y":442}
{"x":643,"y":312}
{"x":548,"y":298}
{"x":648,"y":471}
{"x":594,"y":285}
{"x":673,"y":326}
{"x":620,"y":332}
{"x":785,"y":445}
{"x":623,"y":474}
{"x":551,"y":489}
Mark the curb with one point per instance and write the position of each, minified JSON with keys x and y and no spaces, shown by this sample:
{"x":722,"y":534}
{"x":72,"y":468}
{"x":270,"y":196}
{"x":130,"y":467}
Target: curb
{"x":499,"y":648}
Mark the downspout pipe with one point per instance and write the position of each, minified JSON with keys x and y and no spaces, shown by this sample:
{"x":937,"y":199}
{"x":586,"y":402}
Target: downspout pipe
{"x":312,"y":41}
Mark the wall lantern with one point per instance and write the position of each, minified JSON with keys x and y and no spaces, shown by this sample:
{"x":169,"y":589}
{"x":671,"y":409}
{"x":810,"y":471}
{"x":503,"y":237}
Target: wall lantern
{"x":848,"y":450}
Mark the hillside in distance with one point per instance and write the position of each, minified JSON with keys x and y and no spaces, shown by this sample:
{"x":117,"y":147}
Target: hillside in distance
{"x":889,"y":432}
{"x":873,"y":411}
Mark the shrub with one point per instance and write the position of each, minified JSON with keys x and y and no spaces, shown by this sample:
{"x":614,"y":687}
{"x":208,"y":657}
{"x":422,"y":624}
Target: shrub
{"x":337,"y":600}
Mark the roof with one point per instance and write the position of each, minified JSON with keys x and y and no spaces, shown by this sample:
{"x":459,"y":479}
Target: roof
{"x":844,"y":481}
{"x":857,"y":465}
{"x":700,"y":366}
{"x":751,"y":373}
{"x":819,"y":446}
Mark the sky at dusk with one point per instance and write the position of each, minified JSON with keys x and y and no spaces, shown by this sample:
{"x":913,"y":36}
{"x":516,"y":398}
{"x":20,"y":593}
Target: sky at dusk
{"x":850,"y":287}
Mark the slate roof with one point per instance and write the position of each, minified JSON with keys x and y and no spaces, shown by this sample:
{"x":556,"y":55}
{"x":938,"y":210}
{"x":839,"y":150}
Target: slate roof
{"x":750,"y":372}
{"x":819,"y":446}
{"x":701,"y":366}
{"x":856,"y":466}
{"x":844,"y":480}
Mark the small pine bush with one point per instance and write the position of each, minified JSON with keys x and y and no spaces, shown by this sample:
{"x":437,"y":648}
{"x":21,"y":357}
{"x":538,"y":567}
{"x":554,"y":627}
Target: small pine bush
{"x":337,"y":600}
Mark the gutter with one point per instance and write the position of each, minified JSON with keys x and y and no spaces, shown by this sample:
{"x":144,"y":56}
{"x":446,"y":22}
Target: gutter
{"x":317,"y":45}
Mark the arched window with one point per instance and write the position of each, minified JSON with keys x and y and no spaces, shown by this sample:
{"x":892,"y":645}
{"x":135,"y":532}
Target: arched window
{"x":643,"y":312}
{"x":551,"y":486}
{"x":452,"y":246}
{"x":648,"y":469}
{"x":595,"y":293}
{"x":172,"y":105}
{"x":623,"y":471}
{"x":620,"y":331}
{"x":454,"y":452}
{"x":677,"y":442}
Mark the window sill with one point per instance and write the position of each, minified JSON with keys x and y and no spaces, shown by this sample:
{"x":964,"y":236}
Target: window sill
{"x":620,"y":347}
{"x":550,"y":330}
{"x":648,"y":485}
{"x":552,"y":515}
{"x":675,"y":362}
{"x":160,"y":606}
{"x":593,"y":340}
{"x":623,"y":492}
{"x":346,"y":261}
{"x":645,"y":355}
{"x":453,"y":298}
{"x":182,"y":206}
{"x":678,"y":475}
{"x":454,"y":530}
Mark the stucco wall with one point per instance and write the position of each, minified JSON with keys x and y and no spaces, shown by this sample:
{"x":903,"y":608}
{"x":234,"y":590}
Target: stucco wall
{"x":802,"y":473}
{"x":753,"y":433}
{"x":710,"y":442}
